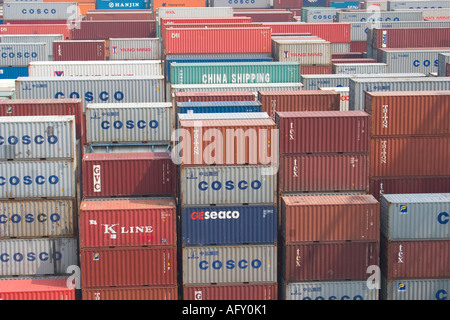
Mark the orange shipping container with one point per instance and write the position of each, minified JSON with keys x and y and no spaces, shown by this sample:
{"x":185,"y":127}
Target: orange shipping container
{"x":36,"y":289}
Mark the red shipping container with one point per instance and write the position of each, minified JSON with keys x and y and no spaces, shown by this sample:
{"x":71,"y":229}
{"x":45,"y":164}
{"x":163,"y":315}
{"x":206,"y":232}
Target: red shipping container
{"x":36,"y":289}
{"x":409,"y":156}
{"x":330,"y":218}
{"x":214,"y":96}
{"x":120,"y":15}
{"x":245,"y":291}
{"x":235,"y":142}
{"x":104,"y":30}
{"x":131,"y":293}
{"x":334,"y":32}
{"x":379,"y":186}
{"x":304,"y":100}
{"x":36,"y":29}
{"x":358,"y":46}
{"x":133,"y":266}
{"x":316,"y":69}
{"x":329,"y":261}
{"x":323,"y":173}
{"x":127,"y":222}
{"x":409,"y":113}
{"x":289,"y":4}
{"x":79,"y":50}
{"x":323,"y":131}
{"x":222,"y":40}
{"x":267,"y":16}
{"x":425,"y":259}
{"x":128,"y":175}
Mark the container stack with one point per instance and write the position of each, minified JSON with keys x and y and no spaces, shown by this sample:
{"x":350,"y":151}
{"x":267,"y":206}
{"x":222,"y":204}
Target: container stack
{"x":38,"y":230}
{"x":415,"y":246}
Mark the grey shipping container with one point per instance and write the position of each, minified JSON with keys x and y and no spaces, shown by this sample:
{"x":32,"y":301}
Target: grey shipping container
{"x":23,"y":257}
{"x":443,"y":59}
{"x":37,"y":137}
{"x":228,"y":185}
{"x":319,"y":14}
{"x":129,"y":122}
{"x":60,"y":11}
{"x":360,"y":68}
{"x":412,"y":60}
{"x":21,"y":54}
{"x":253,"y":4}
{"x":135,"y":49}
{"x":35,"y":38}
{"x":229,"y":264}
{"x":329,"y":290}
{"x":305,"y":52}
{"x":220,"y":116}
{"x":415,"y":216}
{"x":361,"y":16}
{"x":415,"y":289}
{"x":417,"y":4}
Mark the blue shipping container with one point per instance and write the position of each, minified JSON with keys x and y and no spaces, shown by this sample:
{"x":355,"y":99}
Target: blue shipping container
{"x":230,"y":225}
{"x":219,"y":106}
{"x":123,"y":4}
{"x":344,"y":4}
{"x":315,"y":3}
{"x":13,"y":72}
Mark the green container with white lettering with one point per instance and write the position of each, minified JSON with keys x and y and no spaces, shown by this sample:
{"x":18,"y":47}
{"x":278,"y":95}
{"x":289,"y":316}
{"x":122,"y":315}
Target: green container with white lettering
{"x":234,"y":72}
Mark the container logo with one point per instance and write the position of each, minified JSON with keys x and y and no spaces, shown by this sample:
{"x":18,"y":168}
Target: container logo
{"x":114,"y":49}
{"x":28,"y":180}
{"x":443,"y":217}
{"x":236,"y":78}
{"x":58,"y":73}
{"x":9,"y":110}
{"x":129,"y":124}
{"x":39,"y":11}
{"x":89,"y":96}
{"x":230,"y":264}
{"x":198,"y":295}
{"x":19,"y":55}
{"x":96,"y":256}
{"x":213,"y":215}
{"x":403,"y":208}
{"x":97,"y":178}
{"x":27,"y":140}
{"x":286,"y":54}
{"x":441,"y":295}
{"x":31,"y":256}
{"x":401,"y":287}
{"x":30,"y":218}
{"x":230,"y":185}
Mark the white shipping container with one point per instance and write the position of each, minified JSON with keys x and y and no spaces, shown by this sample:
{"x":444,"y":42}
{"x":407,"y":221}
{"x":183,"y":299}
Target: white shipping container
{"x":37,"y":256}
{"x":343,"y":96}
{"x":40,"y":11}
{"x":37,"y":137}
{"x":412,"y":60}
{"x":415,"y":289}
{"x":229,"y":264}
{"x":305,"y":52}
{"x":374,"y":5}
{"x":314,"y":14}
{"x":129,"y":122}
{"x":443,"y":59}
{"x":135,"y":49}
{"x":21,"y":54}
{"x":192,"y":12}
{"x":360,"y":68}
{"x":369,"y":15}
{"x":435,"y":14}
{"x":35,"y":38}
{"x":417,"y":4}
{"x":37,"y":218}
{"x":329,"y":290}
{"x":340,"y":47}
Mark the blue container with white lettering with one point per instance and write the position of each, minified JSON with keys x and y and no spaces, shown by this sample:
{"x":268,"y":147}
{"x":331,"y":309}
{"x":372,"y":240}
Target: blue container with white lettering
{"x":344,"y":4}
{"x":13,"y":72}
{"x":122,"y":4}
{"x":219,"y":106}
{"x":229,"y":225}
{"x":315,"y":3}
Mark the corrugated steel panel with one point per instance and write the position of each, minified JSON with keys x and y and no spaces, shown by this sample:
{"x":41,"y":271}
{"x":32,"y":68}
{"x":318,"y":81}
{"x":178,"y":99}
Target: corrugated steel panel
{"x":20,"y":54}
{"x":415,"y":289}
{"x":409,"y":156}
{"x":287,"y":4}
{"x":131,"y":293}
{"x":37,"y":179}
{"x":228,"y":185}
{"x":343,"y":96}
{"x":104,"y":30}
{"x":229,"y":264}
{"x":443,"y":60}
{"x":211,"y":107}
{"x":221,"y":116}
{"x":214,"y":96}
{"x":13,"y":72}
{"x":37,"y":256}
{"x":319,"y":14}
{"x":37,"y":137}
{"x":129,"y":122}
{"x":323,"y":131}
{"x":305,"y":52}
{"x":37,"y":29}
{"x":37,"y":218}
{"x":135,"y":49}
{"x":424,"y":60}
{"x":415,"y":216}
{"x":330,"y":218}
{"x":127,"y":222}
{"x":328,"y":290}
{"x":128,"y":174}
{"x":340,"y":47}
{"x":39,"y":11}
{"x":95,"y":68}
{"x":405,"y":4}
{"x":329,"y":261}
{"x":237,"y":225}
{"x":131,"y":266}
{"x":313,"y":82}
{"x":371,"y":16}
{"x":50,"y":288}
{"x":255,"y":4}
{"x":323,"y":172}
{"x":360,"y":68}
{"x":35,"y":38}
{"x":409,"y":113}
{"x":120,"y":14}
{"x":422,"y":259}
{"x":316,"y":69}
{"x":79,"y":50}
{"x":187,"y":12}
{"x":246,"y":291}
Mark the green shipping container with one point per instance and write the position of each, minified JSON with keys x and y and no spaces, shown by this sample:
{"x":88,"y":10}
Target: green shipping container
{"x":234,"y":72}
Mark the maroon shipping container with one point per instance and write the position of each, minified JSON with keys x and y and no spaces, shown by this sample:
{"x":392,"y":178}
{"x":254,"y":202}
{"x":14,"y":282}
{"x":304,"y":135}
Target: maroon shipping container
{"x":214,"y":96}
{"x":323,"y":131}
{"x":304,"y":100}
{"x":127,"y":222}
{"x":409,"y":113}
{"x":120,"y":15}
{"x":131,"y":293}
{"x":267,"y":16}
{"x":358,"y":46}
{"x":316,"y":69}
{"x":410,"y":156}
{"x":133,"y":266}
{"x":334,"y":32}
{"x":79,"y":50}
{"x":287,"y":4}
{"x":323,"y":172}
{"x":330,"y":218}
{"x":425,"y":259}
{"x":379,"y":186}
{"x":245,"y":291}
{"x":104,"y":30}
{"x":329,"y":260}
{"x":128,"y":175}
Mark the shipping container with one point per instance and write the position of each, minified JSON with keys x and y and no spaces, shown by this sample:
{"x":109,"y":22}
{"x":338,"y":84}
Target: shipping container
{"x":104,"y":30}
{"x":134,"y":49}
{"x":13,"y":72}
{"x":305,"y":52}
{"x":20,"y":54}
{"x":415,"y":289}
{"x":213,"y":96}
{"x":409,"y":156}
{"x":37,"y":179}
{"x":245,"y":292}
{"x":48,"y":288}
{"x":314,"y":81}
{"x":43,"y":11}
{"x":447,"y":72}
{"x":375,"y":16}
{"x":123,"y":4}
{"x":332,"y":261}
{"x":127,"y":222}
{"x":8,"y":29}
{"x":319,"y":14}
{"x":41,"y":256}
{"x":212,"y":107}
{"x":316,"y":69}
{"x":238,"y":225}
{"x":330,"y":290}
{"x":344,"y":4}
{"x":178,"y":3}
{"x":228,"y":185}
{"x":333,"y":32}
{"x":330,"y":218}
{"x":220,"y":116}
{"x":229,"y":264}
{"x":343,"y":96}
{"x":131,"y":266}
{"x":35,"y":38}
{"x":287,"y":4}
{"x":409,"y":113}
{"x":117,"y":14}
{"x":323,"y":172}
{"x":323,"y":131}
{"x":255,"y":4}
{"x":79,"y":50}
{"x":381,"y":5}
{"x":129,"y":122}
{"x":443,"y":60}
{"x":417,"y":4}
{"x":268,"y":15}
{"x":441,"y":14}
{"x":131,"y":293}
{"x":423,"y":60}
{"x":360,"y":68}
